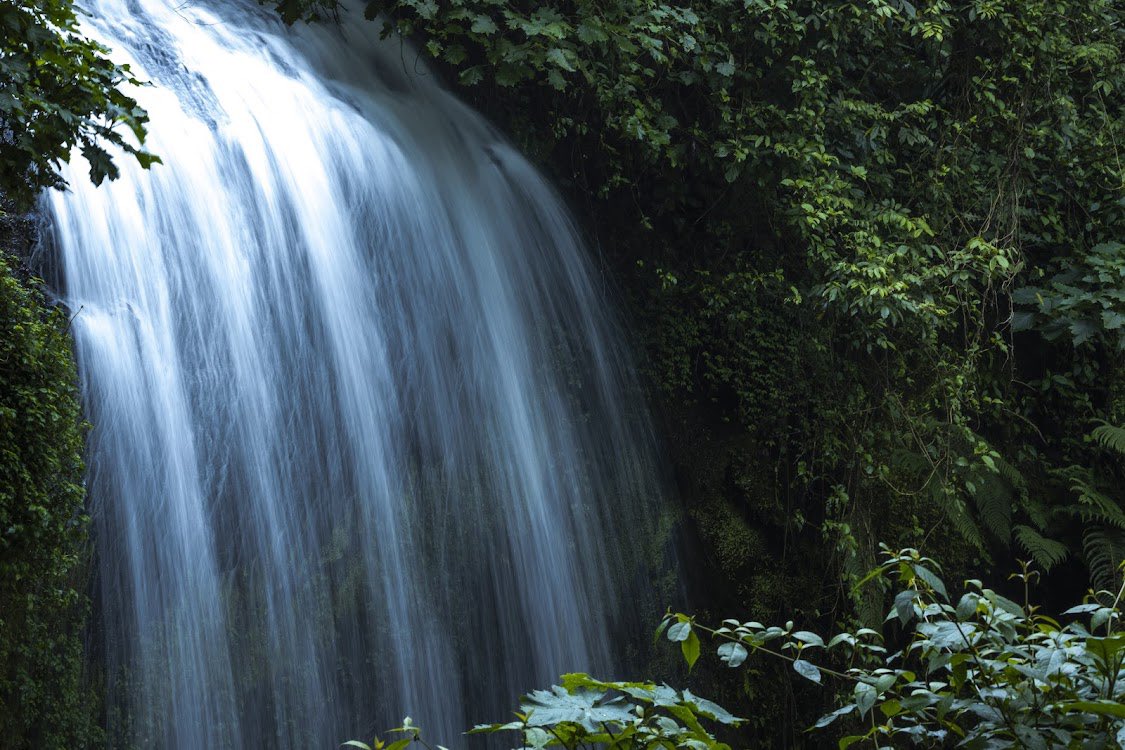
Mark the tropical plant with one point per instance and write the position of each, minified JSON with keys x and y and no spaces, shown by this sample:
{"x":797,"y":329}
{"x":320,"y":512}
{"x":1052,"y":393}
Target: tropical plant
{"x":976,"y":671}
{"x":882,"y":239}
{"x":583,"y":712}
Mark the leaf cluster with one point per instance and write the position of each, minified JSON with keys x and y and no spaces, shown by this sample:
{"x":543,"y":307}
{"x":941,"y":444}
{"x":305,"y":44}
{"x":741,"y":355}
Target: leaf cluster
{"x":59,"y":92}
{"x":43,"y":701}
{"x":584,"y":712}
{"x":978,"y":671}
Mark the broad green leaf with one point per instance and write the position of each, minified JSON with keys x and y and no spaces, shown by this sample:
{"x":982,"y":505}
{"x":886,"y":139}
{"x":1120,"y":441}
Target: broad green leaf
{"x":690,"y":648}
{"x":734,"y":654}
{"x":679,"y":631}
{"x":808,"y":670}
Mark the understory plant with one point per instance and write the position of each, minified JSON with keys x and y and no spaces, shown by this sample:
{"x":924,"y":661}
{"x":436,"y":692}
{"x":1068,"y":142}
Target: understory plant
{"x":975,"y":671}
{"x":584,"y":712}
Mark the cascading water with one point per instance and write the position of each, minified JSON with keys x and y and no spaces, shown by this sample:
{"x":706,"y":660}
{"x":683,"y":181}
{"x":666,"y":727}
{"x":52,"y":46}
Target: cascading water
{"x":363,"y":437}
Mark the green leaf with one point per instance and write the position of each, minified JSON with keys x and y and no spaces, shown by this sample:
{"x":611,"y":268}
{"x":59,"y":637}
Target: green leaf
{"x":827,"y":719}
{"x":904,"y":605}
{"x":679,"y":631}
{"x":560,"y":58}
{"x":865,"y":696}
{"x":690,"y":648}
{"x":734,"y":654}
{"x":890,"y":708}
{"x":484,"y":25}
{"x":808,"y":638}
{"x":710,"y":709}
{"x":1101,"y":708}
{"x":931,"y":579}
{"x":808,"y":670}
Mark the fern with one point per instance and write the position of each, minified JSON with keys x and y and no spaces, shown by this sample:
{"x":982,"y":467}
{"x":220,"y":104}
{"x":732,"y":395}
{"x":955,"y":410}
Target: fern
{"x":1013,"y":476}
{"x":1104,"y":549}
{"x":1095,"y":507}
{"x":1045,"y":552}
{"x":1110,"y":437}
{"x":993,"y":499}
{"x":963,"y":522}
{"x":1037,"y":511}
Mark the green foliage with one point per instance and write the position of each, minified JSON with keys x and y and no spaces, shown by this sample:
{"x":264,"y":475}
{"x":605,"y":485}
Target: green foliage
{"x":1098,"y":515}
{"x":584,"y":712}
{"x":1082,"y":302}
{"x":1110,"y":437}
{"x":42,"y":528}
{"x":59,"y":92}
{"x":978,"y":671}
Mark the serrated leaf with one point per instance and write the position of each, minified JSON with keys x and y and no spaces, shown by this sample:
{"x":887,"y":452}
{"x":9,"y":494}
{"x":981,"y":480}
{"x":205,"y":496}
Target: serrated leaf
{"x":483,"y":25}
{"x":560,"y":58}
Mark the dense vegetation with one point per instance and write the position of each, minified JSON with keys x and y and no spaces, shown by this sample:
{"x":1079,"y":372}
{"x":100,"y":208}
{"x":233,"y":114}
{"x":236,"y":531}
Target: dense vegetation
{"x":986,"y":672}
{"x":881,"y":242}
{"x":43,"y":699}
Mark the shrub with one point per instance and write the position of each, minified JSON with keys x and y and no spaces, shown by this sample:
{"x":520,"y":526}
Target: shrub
{"x":42,"y":527}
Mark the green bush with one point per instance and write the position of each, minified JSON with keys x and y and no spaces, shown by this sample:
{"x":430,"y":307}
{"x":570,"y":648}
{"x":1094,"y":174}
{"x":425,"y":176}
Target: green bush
{"x":975,"y":671}
{"x":43,"y":703}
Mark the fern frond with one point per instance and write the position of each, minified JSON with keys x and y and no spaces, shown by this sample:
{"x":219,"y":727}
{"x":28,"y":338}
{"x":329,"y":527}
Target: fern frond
{"x":1038,"y":512}
{"x":1013,"y":476}
{"x":909,"y":462}
{"x":1104,"y":549}
{"x":1045,"y":552}
{"x":1110,"y":436}
{"x":963,"y":522}
{"x":1095,"y":507}
{"x":993,"y":499}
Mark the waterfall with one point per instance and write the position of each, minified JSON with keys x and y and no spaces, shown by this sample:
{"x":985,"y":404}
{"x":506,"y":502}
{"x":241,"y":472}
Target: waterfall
{"x":365,"y":442}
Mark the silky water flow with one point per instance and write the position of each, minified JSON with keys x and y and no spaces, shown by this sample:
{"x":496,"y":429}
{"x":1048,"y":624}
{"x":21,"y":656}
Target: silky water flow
{"x":365,"y":442}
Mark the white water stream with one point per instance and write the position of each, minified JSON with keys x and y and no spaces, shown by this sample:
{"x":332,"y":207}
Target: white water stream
{"x":365,"y":442}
